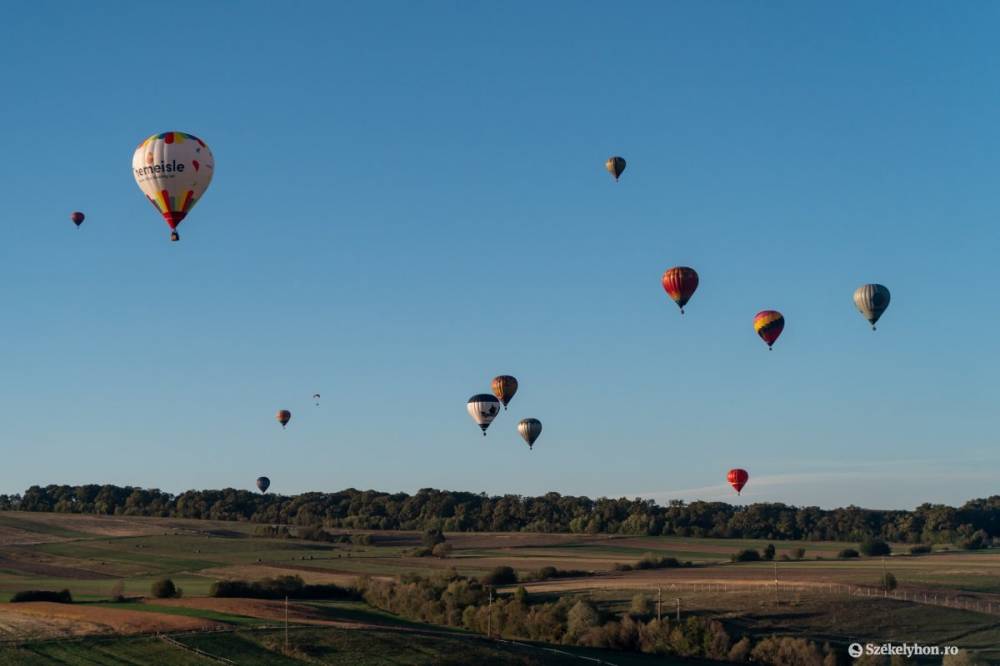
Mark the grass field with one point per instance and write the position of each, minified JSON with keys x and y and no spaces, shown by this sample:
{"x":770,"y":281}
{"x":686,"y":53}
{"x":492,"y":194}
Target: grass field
{"x":90,"y":555}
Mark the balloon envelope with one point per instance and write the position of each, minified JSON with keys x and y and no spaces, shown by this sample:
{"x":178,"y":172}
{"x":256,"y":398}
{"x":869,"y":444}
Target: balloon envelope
{"x":529,"y":429}
{"x":769,"y":324}
{"x":483,"y":408}
{"x":173,"y":170}
{"x":263,"y":483}
{"x":504,"y":388}
{"x":615,"y":166}
{"x":283,"y":416}
{"x":77,"y":217}
{"x":680,"y":283}
{"x":871,"y":301}
{"x":738,"y":478}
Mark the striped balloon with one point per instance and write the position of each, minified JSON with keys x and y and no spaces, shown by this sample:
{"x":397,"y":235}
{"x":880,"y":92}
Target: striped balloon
{"x":871,"y":300}
{"x":504,"y":388}
{"x":483,"y":408}
{"x":769,"y":324}
{"x":529,"y":429}
{"x":615,"y":166}
{"x":680,"y":283}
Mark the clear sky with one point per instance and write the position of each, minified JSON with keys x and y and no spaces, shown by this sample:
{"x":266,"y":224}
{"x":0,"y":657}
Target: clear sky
{"x":410,"y":198}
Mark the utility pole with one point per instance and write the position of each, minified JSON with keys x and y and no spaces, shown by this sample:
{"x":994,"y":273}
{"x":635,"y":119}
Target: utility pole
{"x":489,"y":621}
{"x":659,"y":602}
{"x":286,"y":624}
{"x":885,"y":581}
{"x":678,"y":609}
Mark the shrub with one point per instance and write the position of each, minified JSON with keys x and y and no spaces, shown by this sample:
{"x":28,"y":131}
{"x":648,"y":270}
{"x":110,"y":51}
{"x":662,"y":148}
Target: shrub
{"x":547,"y":573}
{"x":769,"y":552}
{"x":60,"y":597}
{"x":361,"y":539}
{"x":651,"y":561}
{"x":418,"y":552}
{"x":165,"y":589}
{"x":432,"y":537}
{"x":874,"y":548}
{"x":922,"y":549}
{"x":848,"y":553}
{"x":292,"y":587}
{"x":888,"y":582}
{"x":975,"y":541}
{"x":442,"y":550}
{"x":500,"y":576}
{"x":746,"y":555}
{"x":642,"y":605}
{"x":798,"y":553}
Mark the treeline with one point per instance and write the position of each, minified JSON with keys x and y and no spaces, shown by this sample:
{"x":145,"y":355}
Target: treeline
{"x":457,"y":601}
{"x":470,"y":512}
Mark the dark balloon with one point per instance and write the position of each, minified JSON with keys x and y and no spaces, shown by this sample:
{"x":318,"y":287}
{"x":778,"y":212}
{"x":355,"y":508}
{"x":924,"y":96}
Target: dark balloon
{"x":769,"y":324}
{"x":504,"y":388}
{"x":615,"y":166}
{"x":680,"y":283}
{"x":263,"y":483}
{"x":77,"y":218}
{"x":284,"y":416}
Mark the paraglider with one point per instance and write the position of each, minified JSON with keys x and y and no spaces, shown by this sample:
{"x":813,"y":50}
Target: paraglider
{"x":871,"y":301}
{"x":316,"y":398}
{"x":680,"y":283}
{"x":504,"y":388}
{"x":284,"y":416}
{"x":263,"y":483}
{"x":483,"y":408}
{"x":77,"y":218}
{"x":738,"y":478}
{"x":173,"y":170}
{"x":769,"y":324}
{"x":529,"y":429}
{"x":615,"y":165}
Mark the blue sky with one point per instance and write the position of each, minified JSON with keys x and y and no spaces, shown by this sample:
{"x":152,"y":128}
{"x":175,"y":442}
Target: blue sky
{"x":410,"y":199}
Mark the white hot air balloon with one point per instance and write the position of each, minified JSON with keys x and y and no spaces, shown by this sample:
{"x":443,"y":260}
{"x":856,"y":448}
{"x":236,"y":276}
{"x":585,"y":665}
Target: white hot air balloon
{"x":483,"y":408}
{"x":529,"y":429}
{"x":173,"y":170}
{"x":871,"y":300}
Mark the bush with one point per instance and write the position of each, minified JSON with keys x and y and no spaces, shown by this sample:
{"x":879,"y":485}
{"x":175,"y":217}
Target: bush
{"x":642,"y":605}
{"x":442,"y":550}
{"x":975,"y":541}
{"x":888,"y":582}
{"x":432,"y":537}
{"x":547,"y":573}
{"x":798,"y":553}
{"x":769,"y":552}
{"x":651,"y":561}
{"x":874,"y":548}
{"x":922,"y":549}
{"x":500,"y":576}
{"x":361,"y":539}
{"x":848,"y":553}
{"x":165,"y":589}
{"x":746,"y":555}
{"x":292,"y":587}
{"x":418,"y":552}
{"x":60,"y":597}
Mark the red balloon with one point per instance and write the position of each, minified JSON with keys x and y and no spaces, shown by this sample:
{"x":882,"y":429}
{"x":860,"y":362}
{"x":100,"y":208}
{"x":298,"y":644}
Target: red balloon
{"x":77,"y":217}
{"x":284,"y":416}
{"x":680,"y":283}
{"x":738,"y":478}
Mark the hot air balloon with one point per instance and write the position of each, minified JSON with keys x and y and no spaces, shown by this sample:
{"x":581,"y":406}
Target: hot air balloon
{"x":316,"y":398}
{"x":768,"y":324}
{"x":680,"y":283}
{"x":504,"y":388}
{"x":530,"y":429}
{"x":284,"y":416}
{"x":615,"y":165}
{"x":738,"y":478}
{"x":77,"y":218}
{"x":483,"y":408}
{"x":871,"y":300}
{"x":173,"y":170}
{"x":263,"y":483}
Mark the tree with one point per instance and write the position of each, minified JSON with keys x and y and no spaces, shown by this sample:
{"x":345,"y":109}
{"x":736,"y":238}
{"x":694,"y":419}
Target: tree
{"x":432,"y":537}
{"x":642,"y":605}
{"x":500,"y":576}
{"x":442,"y":550}
{"x":769,"y":552}
{"x":521,"y":596}
{"x":847,"y":553}
{"x":581,"y":617}
{"x":889,"y":582}
{"x":164,"y":589}
{"x":874,"y":548}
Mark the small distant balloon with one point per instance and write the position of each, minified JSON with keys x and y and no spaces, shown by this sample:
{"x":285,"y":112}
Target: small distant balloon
{"x":483,"y":408}
{"x":615,"y":166}
{"x":77,"y":218}
{"x":529,"y":430}
{"x":871,"y":301}
{"x":738,"y":478}
{"x":504,"y":388}
{"x":769,"y":324}
{"x":680,"y":283}
{"x":263,"y":483}
{"x":284,"y":416}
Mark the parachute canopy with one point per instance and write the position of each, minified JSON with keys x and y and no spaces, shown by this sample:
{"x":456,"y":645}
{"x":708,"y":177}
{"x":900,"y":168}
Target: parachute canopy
{"x":871,"y":301}
{"x":738,"y":478}
{"x":483,"y":408}
{"x":173,"y":170}
{"x":769,"y":324}
{"x":504,"y":388}
{"x":529,"y":429}
{"x":680,"y":283}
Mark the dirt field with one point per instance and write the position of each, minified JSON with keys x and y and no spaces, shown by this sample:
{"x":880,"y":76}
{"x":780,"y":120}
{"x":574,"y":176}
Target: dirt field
{"x":50,"y":620}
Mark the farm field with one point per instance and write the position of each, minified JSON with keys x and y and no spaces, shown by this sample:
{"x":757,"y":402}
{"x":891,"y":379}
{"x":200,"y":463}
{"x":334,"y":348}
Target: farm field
{"x":820,"y":597}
